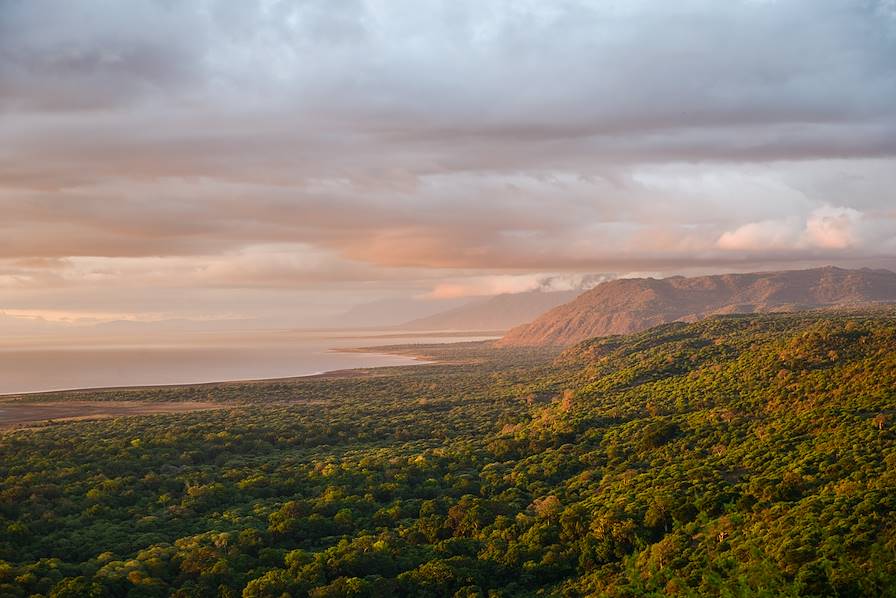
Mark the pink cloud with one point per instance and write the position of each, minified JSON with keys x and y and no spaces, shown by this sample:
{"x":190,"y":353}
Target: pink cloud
{"x":826,"y":227}
{"x":484,"y":285}
{"x":759,"y":236}
{"x":833,"y":228}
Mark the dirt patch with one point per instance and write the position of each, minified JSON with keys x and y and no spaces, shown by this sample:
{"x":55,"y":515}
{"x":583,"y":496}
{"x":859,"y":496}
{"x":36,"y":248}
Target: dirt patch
{"x":15,"y":415}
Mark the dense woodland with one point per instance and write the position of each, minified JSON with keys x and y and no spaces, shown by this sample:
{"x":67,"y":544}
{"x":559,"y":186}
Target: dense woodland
{"x":737,"y":456}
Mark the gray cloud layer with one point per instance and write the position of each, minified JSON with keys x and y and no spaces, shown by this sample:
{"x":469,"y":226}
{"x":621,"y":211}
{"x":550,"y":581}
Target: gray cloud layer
{"x":391,"y":144}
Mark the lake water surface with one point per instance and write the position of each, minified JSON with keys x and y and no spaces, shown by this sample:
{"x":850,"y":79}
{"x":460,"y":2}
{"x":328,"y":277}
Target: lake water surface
{"x":46,"y":363}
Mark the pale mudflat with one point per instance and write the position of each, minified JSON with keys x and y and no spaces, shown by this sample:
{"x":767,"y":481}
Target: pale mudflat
{"x":15,"y":415}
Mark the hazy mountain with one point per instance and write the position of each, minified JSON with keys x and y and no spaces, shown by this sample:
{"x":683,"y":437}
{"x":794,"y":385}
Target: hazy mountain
{"x":494,"y":313}
{"x":391,"y":312}
{"x":631,"y":305}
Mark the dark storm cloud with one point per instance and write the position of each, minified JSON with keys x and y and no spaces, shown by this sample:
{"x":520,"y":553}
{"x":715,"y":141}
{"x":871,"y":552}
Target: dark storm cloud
{"x":94,"y":55}
{"x":642,"y":81}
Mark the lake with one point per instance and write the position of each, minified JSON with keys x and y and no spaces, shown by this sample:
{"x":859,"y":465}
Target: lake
{"x":47,"y":363}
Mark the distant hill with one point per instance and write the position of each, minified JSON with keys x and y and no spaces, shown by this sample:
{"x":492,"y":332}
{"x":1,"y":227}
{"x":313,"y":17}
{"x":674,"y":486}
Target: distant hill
{"x":500,"y":312}
{"x":631,"y":305}
{"x":390,"y":312}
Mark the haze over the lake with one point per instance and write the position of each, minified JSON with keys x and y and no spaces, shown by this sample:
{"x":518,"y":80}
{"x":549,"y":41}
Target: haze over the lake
{"x":43,"y":364}
{"x":278,"y":163}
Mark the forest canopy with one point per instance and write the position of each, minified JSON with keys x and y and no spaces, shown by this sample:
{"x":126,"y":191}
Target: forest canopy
{"x":739,"y":455}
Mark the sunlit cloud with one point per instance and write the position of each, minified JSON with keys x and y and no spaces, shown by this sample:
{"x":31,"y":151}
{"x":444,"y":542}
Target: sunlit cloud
{"x":827,"y":227}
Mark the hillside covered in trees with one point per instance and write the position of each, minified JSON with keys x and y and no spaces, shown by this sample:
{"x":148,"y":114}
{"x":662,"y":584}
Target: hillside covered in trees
{"x":740,"y":455}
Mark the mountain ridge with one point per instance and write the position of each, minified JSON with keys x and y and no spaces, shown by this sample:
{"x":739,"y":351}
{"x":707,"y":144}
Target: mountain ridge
{"x":630,"y":305}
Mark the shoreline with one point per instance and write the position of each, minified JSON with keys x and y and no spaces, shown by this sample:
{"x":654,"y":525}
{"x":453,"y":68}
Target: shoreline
{"x":339,"y":373}
{"x":405,"y":349}
{"x":36,"y":410}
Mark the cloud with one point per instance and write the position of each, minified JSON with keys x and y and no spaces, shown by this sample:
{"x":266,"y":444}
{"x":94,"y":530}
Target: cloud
{"x":482,"y":286}
{"x":259,"y":90}
{"x":834,"y":228}
{"x":762,"y":236}
{"x":466,"y":147}
{"x":827,"y":227}
{"x":572,"y":282}
{"x":474,"y":286}
{"x":97,"y":55}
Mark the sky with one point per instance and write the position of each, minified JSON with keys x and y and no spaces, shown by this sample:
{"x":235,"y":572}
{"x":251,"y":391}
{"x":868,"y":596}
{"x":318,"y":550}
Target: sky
{"x":284,"y":161}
